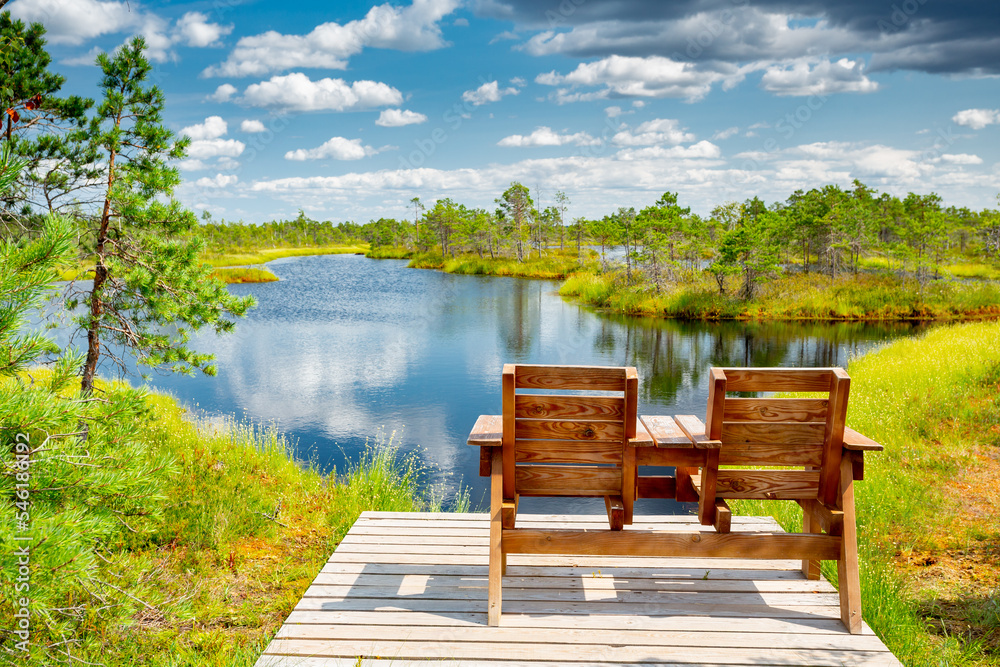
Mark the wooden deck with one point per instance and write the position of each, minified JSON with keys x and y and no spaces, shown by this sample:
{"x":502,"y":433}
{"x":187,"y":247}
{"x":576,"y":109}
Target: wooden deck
{"x":410,"y":589}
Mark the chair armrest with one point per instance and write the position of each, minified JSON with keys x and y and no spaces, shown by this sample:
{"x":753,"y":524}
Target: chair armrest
{"x":487,"y":431}
{"x":694,"y":429}
{"x":665,"y":432}
{"x":642,"y":438}
{"x":857,"y":442}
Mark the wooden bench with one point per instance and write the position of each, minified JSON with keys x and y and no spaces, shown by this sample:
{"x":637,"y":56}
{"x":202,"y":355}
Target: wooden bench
{"x":547,"y":444}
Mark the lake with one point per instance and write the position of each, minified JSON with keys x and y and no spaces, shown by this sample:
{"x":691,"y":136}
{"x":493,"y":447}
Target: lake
{"x":344,"y":346}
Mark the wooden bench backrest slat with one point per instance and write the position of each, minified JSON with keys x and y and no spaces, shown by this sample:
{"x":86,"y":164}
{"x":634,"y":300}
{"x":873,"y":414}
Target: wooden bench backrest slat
{"x":570,"y":378}
{"x":568,"y":451}
{"x":775,"y":432}
{"x":548,"y":406}
{"x":767,"y":379}
{"x":545,"y":434}
{"x":776,"y":409}
{"x":779,"y":433}
{"x":568,"y":481}
{"x":569,"y":429}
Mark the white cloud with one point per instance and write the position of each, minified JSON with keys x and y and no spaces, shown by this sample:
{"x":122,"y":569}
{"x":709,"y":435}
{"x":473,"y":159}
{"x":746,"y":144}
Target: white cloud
{"x":461,"y":22}
{"x":545,"y":136}
{"x":977,"y":119}
{"x":652,"y":133}
{"x":700,"y":150}
{"x":488,"y":92}
{"x":652,"y":77}
{"x":195,"y":30}
{"x":213,"y":128}
{"x":819,"y":78}
{"x":399,"y":118}
{"x":219,"y":181}
{"x":726,"y":133}
{"x":207,"y":143}
{"x":209,"y":148}
{"x":330,"y":45}
{"x":223,"y":93}
{"x":613,"y":111}
{"x":298,"y":92}
{"x":252,"y":126}
{"x":961,"y":158}
{"x":337,"y":148}
{"x":75,"y":21}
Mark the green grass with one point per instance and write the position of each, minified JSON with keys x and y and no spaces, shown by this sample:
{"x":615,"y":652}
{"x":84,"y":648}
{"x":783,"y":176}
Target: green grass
{"x":550,"y":266}
{"x":264,"y":255}
{"x":244,"y":274}
{"x":931,"y":402}
{"x":246,"y":527}
{"x":865,"y":297}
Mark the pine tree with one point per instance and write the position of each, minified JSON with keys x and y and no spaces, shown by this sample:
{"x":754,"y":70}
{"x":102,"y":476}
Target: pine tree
{"x":149,"y":289}
{"x":40,"y":127}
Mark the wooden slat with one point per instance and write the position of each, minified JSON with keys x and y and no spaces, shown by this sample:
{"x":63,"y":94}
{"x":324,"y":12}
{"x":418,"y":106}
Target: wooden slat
{"x":833,"y":447}
{"x":698,"y":544}
{"x":642,"y":438}
{"x":776,"y":409}
{"x":568,"y":481}
{"x":485,"y":461}
{"x":777,"y":379}
{"x":567,"y":451}
{"x":767,"y":484}
{"x":657,"y":456}
{"x":777,"y":433}
{"x":631,"y":401}
{"x":665,"y":431}
{"x":695,"y":430}
{"x":855,"y":441}
{"x":716,"y":399}
{"x":602,"y":378}
{"x":656,"y":486}
{"x":487,"y":431}
{"x":756,"y":454}
{"x":496,"y":537}
{"x":507,"y":394}
{"x":533,"y":406}
{"x":546,"y":429}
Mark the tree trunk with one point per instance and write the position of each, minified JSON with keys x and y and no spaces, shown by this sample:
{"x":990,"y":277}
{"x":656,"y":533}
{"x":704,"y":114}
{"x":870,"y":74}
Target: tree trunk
{"x":96,"y":299}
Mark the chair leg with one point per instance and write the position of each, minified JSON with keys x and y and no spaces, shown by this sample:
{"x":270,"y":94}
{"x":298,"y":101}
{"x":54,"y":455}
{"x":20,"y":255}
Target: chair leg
{"x":629,"y":481}
{"x":810,"y":568}
{"x":847,"y":567}
{"x":706,"y":499}
{"x":497,"y":555}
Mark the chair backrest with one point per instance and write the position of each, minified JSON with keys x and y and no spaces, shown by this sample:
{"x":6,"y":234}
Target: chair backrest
{"x":803,"y":433}
{"x":566,"y":444}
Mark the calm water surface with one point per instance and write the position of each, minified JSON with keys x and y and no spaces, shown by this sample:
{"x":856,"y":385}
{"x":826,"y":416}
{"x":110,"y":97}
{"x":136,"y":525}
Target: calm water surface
{"x":344,"y":346}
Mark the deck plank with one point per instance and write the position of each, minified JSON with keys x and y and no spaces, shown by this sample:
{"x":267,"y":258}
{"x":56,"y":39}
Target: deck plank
{"x":410,"y":589}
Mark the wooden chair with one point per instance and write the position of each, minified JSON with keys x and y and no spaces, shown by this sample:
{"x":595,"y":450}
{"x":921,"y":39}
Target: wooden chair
{"x":576,"y":445}
{"x":557,"y":444}
{"x":799,"y":449}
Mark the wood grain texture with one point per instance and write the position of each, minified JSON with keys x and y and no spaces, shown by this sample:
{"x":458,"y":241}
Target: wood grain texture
{"x":550,"y":406}
{"x":602,"y":378}
{"x":656,"y":486}
{"x":666,"y":544}
{"x":694,"y":429}
{"x":568,"y":451}
{"x":776,"y":409}
{"x":777,"y":379}
{"x":833,"y":446}
{"x":665,"y":431}
{"x":568,"y":481}
{"x":507,"y":395}
{"x":856,"y":441}
{"x":487,"y":431}
{"x":767,"y":484}
{"x":756,"y":454}
{"x":546,"y":429}
{"x":773,"y":433}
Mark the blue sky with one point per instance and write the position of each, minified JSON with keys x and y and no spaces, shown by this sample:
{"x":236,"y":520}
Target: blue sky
{"x":348,"y":110}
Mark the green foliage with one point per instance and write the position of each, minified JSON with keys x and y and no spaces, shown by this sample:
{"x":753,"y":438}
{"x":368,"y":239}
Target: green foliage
{"x":147,"y":271}
{"x":751,"y":251}
{"x":39,"y":127}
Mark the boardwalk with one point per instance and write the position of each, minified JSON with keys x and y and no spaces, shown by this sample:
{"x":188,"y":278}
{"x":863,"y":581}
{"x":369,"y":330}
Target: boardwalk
{"x":410,"y":589}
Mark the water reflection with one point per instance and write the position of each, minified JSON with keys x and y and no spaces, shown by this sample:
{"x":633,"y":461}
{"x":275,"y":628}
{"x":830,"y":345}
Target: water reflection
{"x":344,"y":345}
